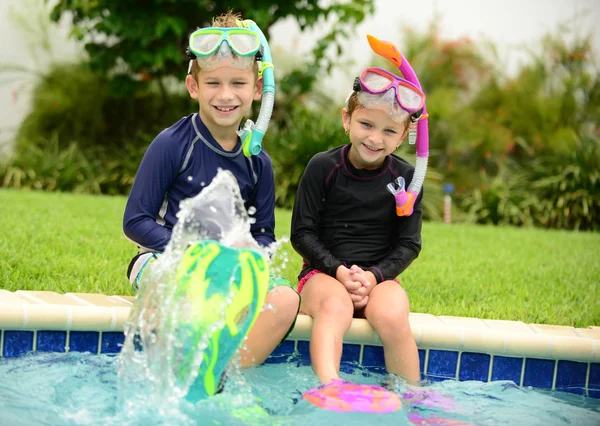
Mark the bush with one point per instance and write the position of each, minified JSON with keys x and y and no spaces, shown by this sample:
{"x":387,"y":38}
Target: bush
{"x":292,"y":142}
{"x":552,"y":191}
{"x":93,"y":170}
{"x":74,"y":102}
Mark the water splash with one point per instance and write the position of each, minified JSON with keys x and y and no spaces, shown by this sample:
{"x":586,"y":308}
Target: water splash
{"x":162,"y":352}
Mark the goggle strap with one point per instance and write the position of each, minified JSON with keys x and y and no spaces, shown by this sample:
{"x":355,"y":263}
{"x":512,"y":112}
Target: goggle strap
{"x":260,"y":53}
{"x":356,"y":86}
{"x":417,"y":116}
{"x":191,"y":56}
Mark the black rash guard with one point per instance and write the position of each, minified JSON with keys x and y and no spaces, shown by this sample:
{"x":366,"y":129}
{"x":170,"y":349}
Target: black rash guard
{"x":345,"y":216}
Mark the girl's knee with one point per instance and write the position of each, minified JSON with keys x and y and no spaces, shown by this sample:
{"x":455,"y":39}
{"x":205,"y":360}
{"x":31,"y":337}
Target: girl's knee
{"x":392,"y":327}
{"x":389,"y":313}
{"x":335,"y":307}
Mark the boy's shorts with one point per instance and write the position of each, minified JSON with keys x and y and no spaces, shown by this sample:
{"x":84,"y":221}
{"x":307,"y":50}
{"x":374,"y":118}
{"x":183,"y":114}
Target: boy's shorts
{"x":140,"y":262}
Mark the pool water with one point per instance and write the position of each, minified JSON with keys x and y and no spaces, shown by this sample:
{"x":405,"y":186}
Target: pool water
{"x":84,"y":389}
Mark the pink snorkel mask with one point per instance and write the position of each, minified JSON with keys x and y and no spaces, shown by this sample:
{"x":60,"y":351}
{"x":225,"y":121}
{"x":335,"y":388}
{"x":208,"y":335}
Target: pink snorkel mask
{"x":406,"y":97}
{"x":394,"y":94}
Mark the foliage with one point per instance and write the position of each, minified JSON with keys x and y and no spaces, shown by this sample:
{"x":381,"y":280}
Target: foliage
{"x":549,"y":191}
{"x":293,"y":141}
{"x":71,"y":168}
{"x":73,"y":101}
{"x":147,"y":40}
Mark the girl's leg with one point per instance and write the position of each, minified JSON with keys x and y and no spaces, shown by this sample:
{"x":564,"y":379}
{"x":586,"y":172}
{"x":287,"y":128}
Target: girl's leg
{"x":271,"y":325}
{"x":387,"y":312}
{"x":327,"y":301}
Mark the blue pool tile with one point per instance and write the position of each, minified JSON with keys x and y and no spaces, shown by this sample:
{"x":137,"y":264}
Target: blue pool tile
{"x":507,"y":368}
{"x":594,"y":381}
{"x":112,"y":342}
{"x":570,"y":374}
{"x":281,"y":353}
{"x":474,"y":366}
{"x":349,"y":367}
{"x":576,"y":391}
{"x":17,"y":342}
{"x":422,"y":355}
{"x":351,"y":353}
{"x":442,"y":365}
{"x":373,"y":356}
{"x":539,"y":373}
{"x":83,"y":341}
{"x":51,"y":341}
{"x":593,"y":393}
{"x":304,"y":353}
{"x":285,"y":348}
{"x":350,"y":358}
{"x":373,"y":359}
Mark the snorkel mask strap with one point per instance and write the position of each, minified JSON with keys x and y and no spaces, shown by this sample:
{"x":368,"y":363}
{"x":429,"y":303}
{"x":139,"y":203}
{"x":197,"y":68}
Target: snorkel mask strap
{"x":405,"y":200}
{"x":252,"y":134}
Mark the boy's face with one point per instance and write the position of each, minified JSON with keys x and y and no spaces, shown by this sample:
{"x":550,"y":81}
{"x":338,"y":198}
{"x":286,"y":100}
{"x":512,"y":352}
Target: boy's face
{"x":373,"y":135}
{"x":225,"y":95}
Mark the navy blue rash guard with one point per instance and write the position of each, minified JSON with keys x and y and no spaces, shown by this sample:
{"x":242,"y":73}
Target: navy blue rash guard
{"x":181,"y":161}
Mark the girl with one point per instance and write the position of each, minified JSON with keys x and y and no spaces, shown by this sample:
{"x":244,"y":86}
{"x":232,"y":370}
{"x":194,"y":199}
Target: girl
{"x":346,"y":228}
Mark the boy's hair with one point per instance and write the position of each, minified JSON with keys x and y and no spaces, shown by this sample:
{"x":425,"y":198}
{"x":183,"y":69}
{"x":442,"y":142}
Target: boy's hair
{"x":354,"y":104}
{"x":228,"y":19}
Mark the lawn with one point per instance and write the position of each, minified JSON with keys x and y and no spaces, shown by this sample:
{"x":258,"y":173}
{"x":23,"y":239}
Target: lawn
{"x":74,"y":243}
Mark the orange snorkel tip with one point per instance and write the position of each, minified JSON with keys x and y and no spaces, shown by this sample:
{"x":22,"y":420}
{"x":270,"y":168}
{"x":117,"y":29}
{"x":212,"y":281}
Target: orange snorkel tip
{"x":385,"y":49}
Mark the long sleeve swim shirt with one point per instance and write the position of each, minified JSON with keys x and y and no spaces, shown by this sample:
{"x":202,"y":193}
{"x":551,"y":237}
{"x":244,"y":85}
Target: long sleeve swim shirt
{"x":181,"y":161}
{"x":345,"y":216}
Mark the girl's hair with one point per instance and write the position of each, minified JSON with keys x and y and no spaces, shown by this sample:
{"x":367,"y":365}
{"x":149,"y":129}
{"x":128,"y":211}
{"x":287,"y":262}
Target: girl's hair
{"x":354,"y":104}
{"x":228,"y":19}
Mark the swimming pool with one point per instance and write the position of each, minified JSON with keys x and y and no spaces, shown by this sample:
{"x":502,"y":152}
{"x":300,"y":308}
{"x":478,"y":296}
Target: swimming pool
{"x":503,"y":363}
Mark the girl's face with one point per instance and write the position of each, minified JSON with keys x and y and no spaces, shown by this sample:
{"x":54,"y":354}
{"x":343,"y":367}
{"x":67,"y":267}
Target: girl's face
{"x":373,"y":135}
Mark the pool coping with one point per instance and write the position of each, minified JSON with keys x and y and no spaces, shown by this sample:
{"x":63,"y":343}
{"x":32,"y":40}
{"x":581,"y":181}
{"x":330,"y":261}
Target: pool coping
{"x":47,"y":310}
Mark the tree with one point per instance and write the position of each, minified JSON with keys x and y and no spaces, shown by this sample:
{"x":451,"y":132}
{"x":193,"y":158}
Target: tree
{"x":142,"y":40}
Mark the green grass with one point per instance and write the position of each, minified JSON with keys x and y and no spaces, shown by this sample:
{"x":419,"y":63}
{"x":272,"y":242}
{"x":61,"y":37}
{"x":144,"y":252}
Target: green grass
{"x":74,"y":243}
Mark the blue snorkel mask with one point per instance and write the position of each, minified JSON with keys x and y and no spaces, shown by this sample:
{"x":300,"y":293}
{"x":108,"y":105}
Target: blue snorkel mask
{"x":243,"y":44}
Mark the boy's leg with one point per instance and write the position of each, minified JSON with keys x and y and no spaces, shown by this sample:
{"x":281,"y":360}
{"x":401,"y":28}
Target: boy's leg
{"x":387,"y":312}
{"x":275,"y":321}
{"x":327,"y":301}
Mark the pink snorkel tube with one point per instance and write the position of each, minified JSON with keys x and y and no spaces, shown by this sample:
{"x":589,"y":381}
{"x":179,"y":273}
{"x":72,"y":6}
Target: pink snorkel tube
{"x":405,"y":198}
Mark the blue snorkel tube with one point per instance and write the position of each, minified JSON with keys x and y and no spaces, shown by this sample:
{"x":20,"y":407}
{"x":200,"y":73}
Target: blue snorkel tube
{"x":252,"y":134}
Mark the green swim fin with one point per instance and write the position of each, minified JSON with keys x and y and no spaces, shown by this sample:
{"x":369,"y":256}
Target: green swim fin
{"x":226,"y":288}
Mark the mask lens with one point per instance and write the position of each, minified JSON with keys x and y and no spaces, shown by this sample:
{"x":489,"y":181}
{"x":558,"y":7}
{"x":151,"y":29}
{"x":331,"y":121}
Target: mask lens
{"x":408,"y":97}
{"x":244,"y":43}
{"x":205,"y":43}
{"x":376,"y":82}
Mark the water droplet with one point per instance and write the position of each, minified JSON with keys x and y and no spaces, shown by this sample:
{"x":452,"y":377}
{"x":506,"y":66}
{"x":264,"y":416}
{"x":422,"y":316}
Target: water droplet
{"x":251,"y":210}
{"x":190,"y":178}
{"x":202,"y":183}
{"x":262,"y":229}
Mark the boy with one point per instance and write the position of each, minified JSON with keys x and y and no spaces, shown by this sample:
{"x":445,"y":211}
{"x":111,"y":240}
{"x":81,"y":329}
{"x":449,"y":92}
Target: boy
{"x":184,"y":158}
